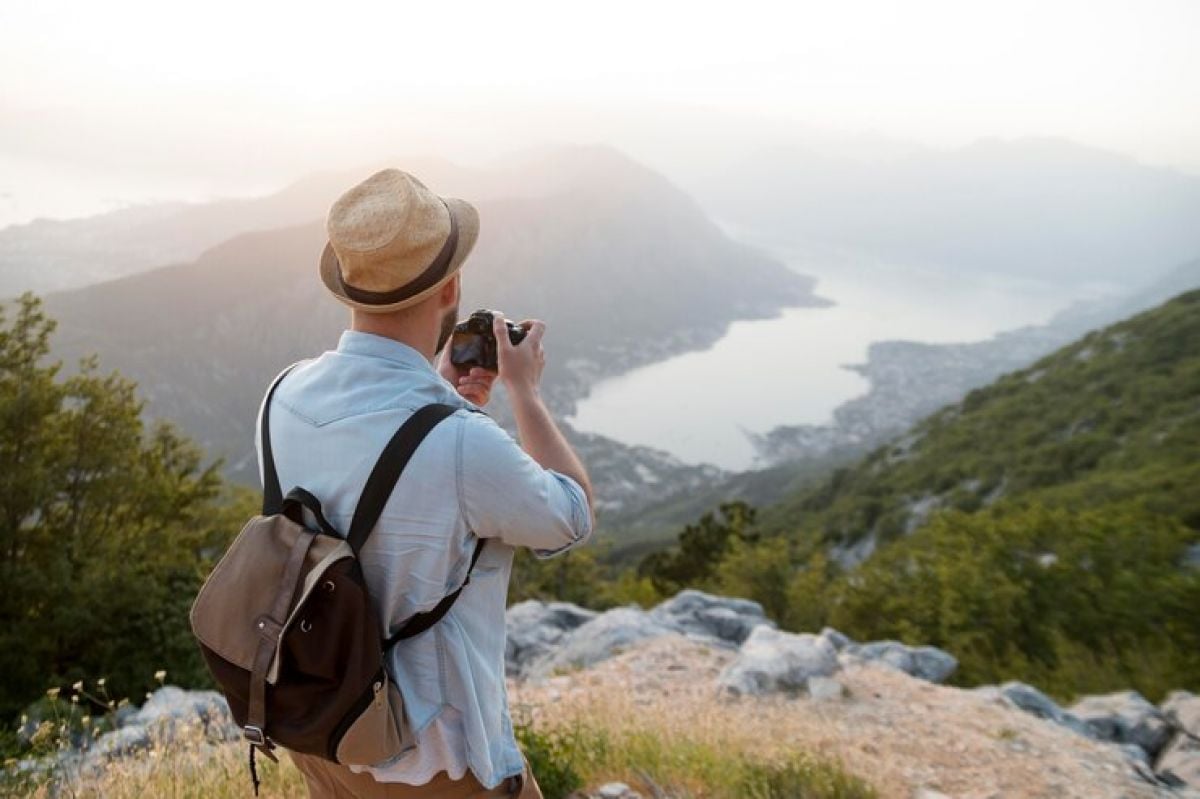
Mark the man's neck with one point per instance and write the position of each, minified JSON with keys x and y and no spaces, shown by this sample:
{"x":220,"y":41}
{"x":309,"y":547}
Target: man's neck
{"x":407,"y":329}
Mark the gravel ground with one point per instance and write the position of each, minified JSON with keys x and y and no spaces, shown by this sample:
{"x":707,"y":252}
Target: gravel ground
{"x":908,"y":738}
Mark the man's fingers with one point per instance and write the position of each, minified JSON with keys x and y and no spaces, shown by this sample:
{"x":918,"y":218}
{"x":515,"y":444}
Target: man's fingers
{"x":501,"y":331}
{"x":536,"y":328}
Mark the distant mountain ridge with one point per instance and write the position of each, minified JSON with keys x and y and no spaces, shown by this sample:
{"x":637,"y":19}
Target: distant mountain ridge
{"x":1042,"y":209}
{"x":55,"y":255}
{"x":622,"y":265}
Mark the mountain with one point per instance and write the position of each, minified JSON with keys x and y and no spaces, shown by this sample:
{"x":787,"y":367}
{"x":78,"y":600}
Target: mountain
{"x":622,"y":265}
{"x":1031,"y":209}
{"x":1112,"y":417}
{"x":910,"y":380}
{"x":54,"y":255}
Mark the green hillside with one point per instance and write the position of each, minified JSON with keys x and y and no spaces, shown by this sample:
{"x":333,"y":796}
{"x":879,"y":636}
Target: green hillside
{"x":1114,"y":417}
{"x":1046,"y":528}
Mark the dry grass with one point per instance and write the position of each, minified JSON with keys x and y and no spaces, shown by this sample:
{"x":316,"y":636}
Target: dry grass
{"x":899,"y":734}
{"x":651,"y":717}
{"x":189,"y":766}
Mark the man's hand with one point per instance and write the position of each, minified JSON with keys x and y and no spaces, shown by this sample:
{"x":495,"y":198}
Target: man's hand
{"x":520,"y":364}
{"x":474,"y":384}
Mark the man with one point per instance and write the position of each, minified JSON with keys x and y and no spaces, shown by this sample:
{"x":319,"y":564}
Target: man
{"x":394,"y":256}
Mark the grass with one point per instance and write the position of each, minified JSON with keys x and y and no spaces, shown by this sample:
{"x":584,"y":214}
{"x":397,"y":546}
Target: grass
{"x":188,"y":766}
{"x":684,"y":768}
{"x":564,"y":759}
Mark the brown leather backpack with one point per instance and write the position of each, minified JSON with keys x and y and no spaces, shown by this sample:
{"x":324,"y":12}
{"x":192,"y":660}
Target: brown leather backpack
{"x":289,"y":631}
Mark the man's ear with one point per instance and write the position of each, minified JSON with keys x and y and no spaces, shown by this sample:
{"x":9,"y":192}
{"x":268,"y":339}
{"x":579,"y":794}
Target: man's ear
{"x":449,"y":292}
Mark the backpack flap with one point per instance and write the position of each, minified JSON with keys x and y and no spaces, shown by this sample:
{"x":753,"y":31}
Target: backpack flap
{"x":242,"y":588}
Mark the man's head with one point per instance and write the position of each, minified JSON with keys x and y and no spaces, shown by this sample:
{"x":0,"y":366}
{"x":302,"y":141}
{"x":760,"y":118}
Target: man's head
{"x":394,"y":252}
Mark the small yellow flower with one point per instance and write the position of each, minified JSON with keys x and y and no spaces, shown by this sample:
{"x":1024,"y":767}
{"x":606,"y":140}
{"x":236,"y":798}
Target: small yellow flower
{"x":160,"y":675}
{"x":86,"y":721}
{"x":52,"y":693}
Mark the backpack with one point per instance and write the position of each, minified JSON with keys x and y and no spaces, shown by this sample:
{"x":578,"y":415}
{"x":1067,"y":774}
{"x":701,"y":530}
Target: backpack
{"x":288,"y":629}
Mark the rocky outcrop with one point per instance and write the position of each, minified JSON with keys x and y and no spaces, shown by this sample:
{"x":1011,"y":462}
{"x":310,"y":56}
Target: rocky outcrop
{"x":161,"y":719}
{"x":169,"y":714}
{"x":1125,"y":718}
{"x":772,"y":661}
{"x":600,"y":638}
{"x":724,"y":619}
{"x":1031,"y":700}
{"x":1180,"y":758}
{"x":1162,"y":744}
{"x":923,"y":662}
{"x":547,"y":637}
{"x":535,"y":628}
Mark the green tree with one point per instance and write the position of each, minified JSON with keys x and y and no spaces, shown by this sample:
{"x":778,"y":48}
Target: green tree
{"x":701,"y":548}
{"x":106,"y":527}
{"x":1069,"y":600}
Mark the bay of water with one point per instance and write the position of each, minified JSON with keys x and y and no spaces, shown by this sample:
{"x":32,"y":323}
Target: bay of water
{"x":790,"y":369}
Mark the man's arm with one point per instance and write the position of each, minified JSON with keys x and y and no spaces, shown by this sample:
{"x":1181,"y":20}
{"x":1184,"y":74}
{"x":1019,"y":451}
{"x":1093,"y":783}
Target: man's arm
{"x":521,"y":370}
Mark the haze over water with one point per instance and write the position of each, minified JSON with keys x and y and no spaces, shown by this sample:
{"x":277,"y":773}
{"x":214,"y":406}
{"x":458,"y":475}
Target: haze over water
{"x":790,"y":369}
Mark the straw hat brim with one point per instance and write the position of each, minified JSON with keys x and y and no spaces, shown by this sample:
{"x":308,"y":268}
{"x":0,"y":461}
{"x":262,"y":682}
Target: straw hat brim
{"x":467,"y":220}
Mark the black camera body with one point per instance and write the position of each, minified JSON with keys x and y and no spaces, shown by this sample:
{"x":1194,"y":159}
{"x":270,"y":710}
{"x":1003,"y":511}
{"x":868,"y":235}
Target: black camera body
{"x":474,"y":344}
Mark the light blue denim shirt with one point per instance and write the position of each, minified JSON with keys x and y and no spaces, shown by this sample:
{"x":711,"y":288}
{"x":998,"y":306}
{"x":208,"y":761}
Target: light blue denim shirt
{"x":330,"y":419}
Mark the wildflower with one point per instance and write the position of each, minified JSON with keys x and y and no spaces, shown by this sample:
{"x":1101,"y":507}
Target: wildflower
{"x":52,"y":693}
{"x":100,"y":683}
{"x":75,"y":699}
{"x":77,"y":686}
{"x":86,"y":721}
{"x":160,"y":675}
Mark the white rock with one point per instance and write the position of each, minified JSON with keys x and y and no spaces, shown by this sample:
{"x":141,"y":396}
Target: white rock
{"x":535,"y":628}
{"x":616,"y":790}
{"x":1033,"y":701}
{"x":1125,"y":717}
{"x":1182,"y":709}
{"x":825,"y":689}
{"x":838,"y":639}
{"x":1180,"y":760}
{"x":725,"y":619}
{"x":599,"y":639}
{"x":771,"y":660}
{"x":923,"y":662}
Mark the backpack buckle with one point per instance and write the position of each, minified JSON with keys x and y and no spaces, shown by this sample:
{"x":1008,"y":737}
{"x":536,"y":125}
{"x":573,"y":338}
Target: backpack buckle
{"x":254,"y":735}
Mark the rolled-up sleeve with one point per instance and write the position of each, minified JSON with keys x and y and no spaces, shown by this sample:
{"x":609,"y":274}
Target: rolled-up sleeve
{"x":504,"y":493}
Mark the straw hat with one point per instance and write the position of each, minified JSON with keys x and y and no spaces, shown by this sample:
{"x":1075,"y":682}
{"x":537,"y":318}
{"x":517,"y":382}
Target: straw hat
{"x":393,"y":242}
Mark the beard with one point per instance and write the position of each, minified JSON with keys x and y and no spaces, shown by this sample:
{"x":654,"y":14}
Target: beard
{"x":449,"y":320}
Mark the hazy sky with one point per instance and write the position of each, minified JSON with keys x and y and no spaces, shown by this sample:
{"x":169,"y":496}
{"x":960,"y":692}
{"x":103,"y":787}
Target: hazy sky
{"x":107,"y":103}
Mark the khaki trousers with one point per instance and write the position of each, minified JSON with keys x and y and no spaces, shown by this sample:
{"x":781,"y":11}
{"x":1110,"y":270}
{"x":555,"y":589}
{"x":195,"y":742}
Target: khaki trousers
{"x":327,"y":780}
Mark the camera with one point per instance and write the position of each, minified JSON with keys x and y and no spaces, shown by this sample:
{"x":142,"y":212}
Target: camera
{"x":474,"y":344}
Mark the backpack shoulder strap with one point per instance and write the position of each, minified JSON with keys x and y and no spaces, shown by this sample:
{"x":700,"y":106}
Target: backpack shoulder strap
{"x":272,"y":493}
{"x":391,"y":463}
{"x":420,"y":622}
{"x":378,"y":490}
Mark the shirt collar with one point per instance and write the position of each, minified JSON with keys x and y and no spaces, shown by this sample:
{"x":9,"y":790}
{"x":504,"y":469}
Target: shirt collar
{"x":356,"y":342}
